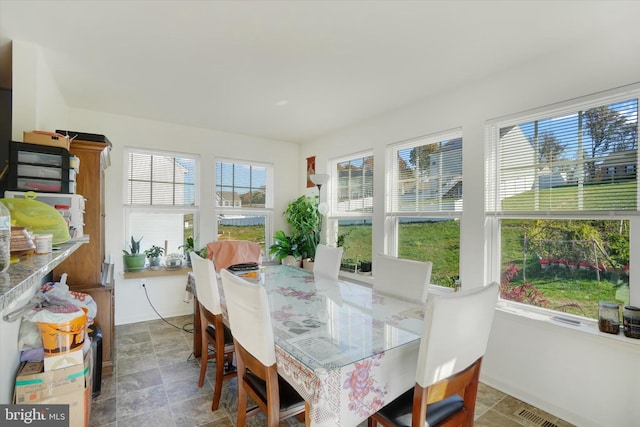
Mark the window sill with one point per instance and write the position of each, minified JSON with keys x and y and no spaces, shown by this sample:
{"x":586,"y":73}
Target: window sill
{"x":156,"y":273}
{"x":566,"y":321}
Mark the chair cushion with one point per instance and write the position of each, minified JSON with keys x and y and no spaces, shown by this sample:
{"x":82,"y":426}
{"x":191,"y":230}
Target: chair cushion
{"x":228,"y":337}
{"x":289,"y":397}
{"x":399,"y":411}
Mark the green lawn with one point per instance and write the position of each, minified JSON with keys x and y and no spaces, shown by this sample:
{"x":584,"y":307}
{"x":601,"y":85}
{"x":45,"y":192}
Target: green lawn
{"x":439,"y":242}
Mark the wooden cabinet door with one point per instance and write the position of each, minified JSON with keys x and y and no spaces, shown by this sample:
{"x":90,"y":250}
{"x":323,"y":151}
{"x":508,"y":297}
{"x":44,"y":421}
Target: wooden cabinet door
{"x":85,"y":265}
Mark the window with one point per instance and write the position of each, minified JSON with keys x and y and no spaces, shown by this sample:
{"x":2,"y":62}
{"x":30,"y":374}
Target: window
{"x":244,"y":201}
{"x":424,"y":203}
{"x":351,"y":206}
{"x":161,"y":197}
{"x":562,"y":192}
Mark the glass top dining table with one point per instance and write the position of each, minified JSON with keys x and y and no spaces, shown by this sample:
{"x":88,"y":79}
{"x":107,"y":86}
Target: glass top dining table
{"x":347,"y":349}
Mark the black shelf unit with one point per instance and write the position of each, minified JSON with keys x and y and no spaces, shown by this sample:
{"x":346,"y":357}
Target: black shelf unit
{"x":39,"y":168}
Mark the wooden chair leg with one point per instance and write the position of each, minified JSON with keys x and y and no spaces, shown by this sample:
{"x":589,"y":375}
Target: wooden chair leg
{"x":204,"y":353}
{"x":220,"y":362}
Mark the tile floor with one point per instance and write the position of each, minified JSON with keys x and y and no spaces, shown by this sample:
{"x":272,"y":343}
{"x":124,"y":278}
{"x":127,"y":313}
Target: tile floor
{"x":155,"y":384}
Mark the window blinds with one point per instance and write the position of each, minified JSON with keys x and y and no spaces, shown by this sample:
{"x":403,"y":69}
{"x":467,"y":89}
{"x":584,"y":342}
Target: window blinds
{"x":354,"y":190}
{"x":574,"y":161}
{"x":160,"y":180}
{"x":426,"y":176}
{"x":240,"y":185}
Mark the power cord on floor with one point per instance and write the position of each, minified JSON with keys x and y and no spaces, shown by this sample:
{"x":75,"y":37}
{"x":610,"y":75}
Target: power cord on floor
{"x":183,"y":328}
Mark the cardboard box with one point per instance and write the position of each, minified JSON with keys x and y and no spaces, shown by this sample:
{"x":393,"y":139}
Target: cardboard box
{"x":79,"y":406}
{"x":33,"y":384}
{"x":66,"y":360}
{"x":71,"y":386}
{"x":51,"y":139}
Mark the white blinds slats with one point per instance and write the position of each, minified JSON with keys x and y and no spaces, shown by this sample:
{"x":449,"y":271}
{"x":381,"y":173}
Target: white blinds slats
{"x":578,"y":161}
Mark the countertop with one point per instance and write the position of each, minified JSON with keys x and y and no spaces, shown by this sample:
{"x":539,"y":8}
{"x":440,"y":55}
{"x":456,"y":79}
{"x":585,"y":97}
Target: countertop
{"x":30,"y":271}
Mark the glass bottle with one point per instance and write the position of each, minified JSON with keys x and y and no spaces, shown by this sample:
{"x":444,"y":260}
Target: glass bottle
{"x":631,"y":320}
{"x":609,"y":317}
{"x":5,"y":238}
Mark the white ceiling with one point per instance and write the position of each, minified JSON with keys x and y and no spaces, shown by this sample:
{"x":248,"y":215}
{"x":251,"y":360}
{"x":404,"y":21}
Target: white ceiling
{"x":227,"y":64}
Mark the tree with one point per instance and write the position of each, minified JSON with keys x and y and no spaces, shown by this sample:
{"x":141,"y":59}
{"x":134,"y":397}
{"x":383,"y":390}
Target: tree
{"x":419,"y":158}
{"x":609,"y":131}
{"x":549,"y":148}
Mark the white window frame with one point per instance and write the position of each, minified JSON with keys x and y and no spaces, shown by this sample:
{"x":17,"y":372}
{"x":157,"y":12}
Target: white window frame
{"x":393,"y":215}
{"x":267,"y":211}
{"x":493,"y":216}
{"x":168,"y":209}
{"x":333,"y":216}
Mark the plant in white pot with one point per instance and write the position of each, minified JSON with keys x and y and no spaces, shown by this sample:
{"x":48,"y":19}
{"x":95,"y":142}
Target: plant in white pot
{"x":286,"y":249}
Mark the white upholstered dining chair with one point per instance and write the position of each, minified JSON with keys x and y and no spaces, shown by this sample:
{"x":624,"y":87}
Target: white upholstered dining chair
{"x":454,"y":340}
{"x":250,"y":322}
{"x":327,"y":261}
{"x":213,"y":331}
{"x":402,"y":278}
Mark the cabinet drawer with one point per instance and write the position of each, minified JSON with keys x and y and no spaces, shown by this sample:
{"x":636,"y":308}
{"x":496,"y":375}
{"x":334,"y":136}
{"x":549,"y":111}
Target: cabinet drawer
{"x":33,"y":184}
{"x":39,"y":171}
{"x":39,"y":158}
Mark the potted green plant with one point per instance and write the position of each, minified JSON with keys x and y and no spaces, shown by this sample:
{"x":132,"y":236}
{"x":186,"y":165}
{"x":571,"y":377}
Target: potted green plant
{"x":190,"y":246}
{"x":133,"y":260}
{"x":286,"y":248}
{"x":303,"y":216}
{"x":153,"y":254}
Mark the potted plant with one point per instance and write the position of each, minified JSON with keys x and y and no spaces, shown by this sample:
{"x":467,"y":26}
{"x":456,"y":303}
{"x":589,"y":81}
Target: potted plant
{"x":303,"y":217}
{"x":133,"y":260}
{"x":286,"y":249}
{"x":190,"y":246}
{"x":364,"y":267}
{"x":153,"y":255}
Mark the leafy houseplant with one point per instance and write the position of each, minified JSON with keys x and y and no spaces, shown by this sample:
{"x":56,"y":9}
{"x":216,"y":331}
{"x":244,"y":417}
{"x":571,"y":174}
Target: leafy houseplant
{"x":303,"y":216}
{"x":133,"y":260}
{"x":190,"y":246}
{"x":153,"y":255}
{"x":285,"y":246}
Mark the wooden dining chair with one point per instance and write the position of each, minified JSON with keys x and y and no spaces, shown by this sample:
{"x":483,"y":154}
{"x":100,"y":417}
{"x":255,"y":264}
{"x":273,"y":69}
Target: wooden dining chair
{"x":213,"y":330}
{"x":402,"y":278}
{"x":454,"y":340}
{"x":250,"y":321}
{"x":327,"y":261}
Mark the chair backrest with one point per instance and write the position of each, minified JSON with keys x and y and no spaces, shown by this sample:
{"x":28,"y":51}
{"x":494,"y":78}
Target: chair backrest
{"x":206,"y":283}
{"x":225,"y":253}
{"x":456,"y":332}
{"x":402,"y":278}
{"x":249,"y":316}
{"x":327,"y":261}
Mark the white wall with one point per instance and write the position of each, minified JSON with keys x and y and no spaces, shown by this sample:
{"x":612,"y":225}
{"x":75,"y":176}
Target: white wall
{"x":37,"y":104}
{"x":33,"y":91}
{"x":585,"y":378}
{"x":37,"y":101}
{"x":166,"y":293}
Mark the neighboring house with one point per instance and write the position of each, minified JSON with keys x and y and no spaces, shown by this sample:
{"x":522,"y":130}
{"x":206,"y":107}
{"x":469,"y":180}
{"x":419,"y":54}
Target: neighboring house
{"x":228,"y":199}
{"x":160,"y":169}
{"x":521,"y":176}
{"x":444,"y":179}
{"x":619,"y":165}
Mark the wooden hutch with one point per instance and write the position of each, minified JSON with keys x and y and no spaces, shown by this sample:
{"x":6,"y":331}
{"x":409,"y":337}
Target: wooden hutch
{"x":84,"y":267}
